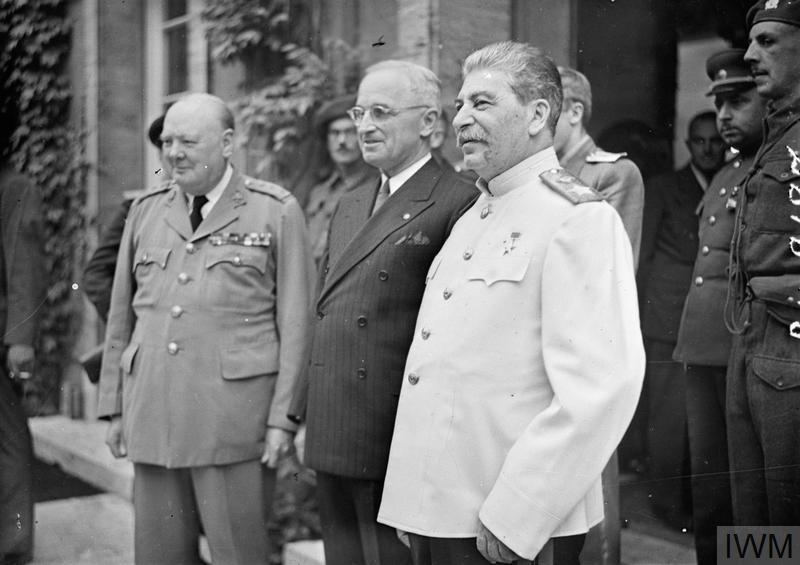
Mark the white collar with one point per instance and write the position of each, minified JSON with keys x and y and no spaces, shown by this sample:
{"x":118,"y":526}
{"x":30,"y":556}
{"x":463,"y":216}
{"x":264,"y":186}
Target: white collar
{"x":215,"y":193}
{"x":400,"y":178}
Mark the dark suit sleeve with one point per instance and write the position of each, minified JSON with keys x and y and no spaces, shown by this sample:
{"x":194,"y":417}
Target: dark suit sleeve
{"x":653,"y":214}
{"x":23,"y":242}
{"x":98,"y":275}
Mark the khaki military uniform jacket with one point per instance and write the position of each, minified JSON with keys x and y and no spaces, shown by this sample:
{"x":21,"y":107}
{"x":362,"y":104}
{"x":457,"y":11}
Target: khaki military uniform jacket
{"x":207,"y":331}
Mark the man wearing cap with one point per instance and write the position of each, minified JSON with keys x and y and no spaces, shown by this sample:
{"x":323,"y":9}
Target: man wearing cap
{"x":381,"y":243}
{"x":347,"y":170}
{"x":611,"y":174}
{"x":703,"y":341}
{"x":763,"y":397}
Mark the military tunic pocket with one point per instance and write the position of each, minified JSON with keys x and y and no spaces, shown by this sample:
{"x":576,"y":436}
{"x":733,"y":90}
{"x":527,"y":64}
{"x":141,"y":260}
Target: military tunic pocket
{"x":496,"y":269}
{"x":252,"y":360}
{"x":780,"y":374}
{"x":237,"y":277}
{"x":148,"y":270}
{"x":777,"y":204}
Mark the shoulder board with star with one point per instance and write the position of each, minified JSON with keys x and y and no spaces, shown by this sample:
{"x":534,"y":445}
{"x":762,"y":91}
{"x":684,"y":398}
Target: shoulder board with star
{"x":600,"y":156}
{"x":569,"y":186}
{"x":264,"y":187}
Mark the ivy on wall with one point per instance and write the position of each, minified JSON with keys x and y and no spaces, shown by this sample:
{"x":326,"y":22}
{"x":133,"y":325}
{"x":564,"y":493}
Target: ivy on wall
{"x":35,"y":101}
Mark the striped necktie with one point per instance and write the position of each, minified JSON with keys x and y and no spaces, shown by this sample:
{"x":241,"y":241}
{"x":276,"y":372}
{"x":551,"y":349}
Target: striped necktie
{"x":383,"y":194}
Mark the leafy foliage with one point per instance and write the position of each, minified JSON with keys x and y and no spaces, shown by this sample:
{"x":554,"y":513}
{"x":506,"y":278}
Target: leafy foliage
{"x":35,"y":39}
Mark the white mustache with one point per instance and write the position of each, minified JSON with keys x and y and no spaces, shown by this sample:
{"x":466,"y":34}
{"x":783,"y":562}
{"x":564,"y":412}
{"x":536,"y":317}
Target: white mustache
{"x":467,"y":135}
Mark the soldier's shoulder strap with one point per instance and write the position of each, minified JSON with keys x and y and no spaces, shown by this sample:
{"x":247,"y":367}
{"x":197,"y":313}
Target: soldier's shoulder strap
{"x":268,"y":188}
{"x":600,"y":156}
{"x":569,"y":186}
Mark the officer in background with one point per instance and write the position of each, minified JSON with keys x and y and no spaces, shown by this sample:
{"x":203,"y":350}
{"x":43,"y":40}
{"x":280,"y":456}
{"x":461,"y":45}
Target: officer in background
{"x":347,"y":170}
{"x":23,"y":288}
{"x":703,"y":341}
{"x":611,"y":174}
{"x":206,"y":336}
{"x":763,"y":397}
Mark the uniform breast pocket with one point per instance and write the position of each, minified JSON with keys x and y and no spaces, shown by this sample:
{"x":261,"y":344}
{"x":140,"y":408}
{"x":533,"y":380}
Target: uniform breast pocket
{"x":777,"y":204}
{"x":148,"y":270}
{"x":492,"y":270}
{"x":236,"y":275}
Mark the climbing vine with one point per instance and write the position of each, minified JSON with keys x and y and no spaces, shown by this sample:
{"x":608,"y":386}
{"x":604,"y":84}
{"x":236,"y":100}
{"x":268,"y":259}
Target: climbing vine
{"x":35,"y":104}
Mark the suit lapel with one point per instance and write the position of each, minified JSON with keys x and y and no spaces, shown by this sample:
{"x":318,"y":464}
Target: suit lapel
{"x":362,"y":233}
{"x":225,"y":210}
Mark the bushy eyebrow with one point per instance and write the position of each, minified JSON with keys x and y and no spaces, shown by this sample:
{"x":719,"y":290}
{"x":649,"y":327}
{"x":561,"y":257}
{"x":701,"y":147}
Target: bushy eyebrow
{"x":479,"y":94}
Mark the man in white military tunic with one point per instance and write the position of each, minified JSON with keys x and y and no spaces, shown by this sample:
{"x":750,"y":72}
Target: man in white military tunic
{"x":207,"y":333}
{"x":527,"y":359}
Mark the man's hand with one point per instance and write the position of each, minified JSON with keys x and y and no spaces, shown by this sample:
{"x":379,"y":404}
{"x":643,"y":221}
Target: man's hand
{"x":492,"y":548}
{"x":20,"y":360}
{"x":115,"y":440}
{"x":278,"y":445}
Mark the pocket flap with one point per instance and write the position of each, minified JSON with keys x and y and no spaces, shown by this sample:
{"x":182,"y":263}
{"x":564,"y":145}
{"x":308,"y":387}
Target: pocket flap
{"x":498,"y":269}
{"x":238,"y":255}
{"x":157,"y":255}
{"x":781,"y":374}
{"x":252,"y":360}
{"x":781,"y":170}
{"x":782,"y":289}
{"x":127,"y":357}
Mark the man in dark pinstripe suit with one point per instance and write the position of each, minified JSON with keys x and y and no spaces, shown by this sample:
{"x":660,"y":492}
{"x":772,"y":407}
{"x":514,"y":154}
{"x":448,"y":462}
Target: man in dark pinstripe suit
{"x":382,"y":241}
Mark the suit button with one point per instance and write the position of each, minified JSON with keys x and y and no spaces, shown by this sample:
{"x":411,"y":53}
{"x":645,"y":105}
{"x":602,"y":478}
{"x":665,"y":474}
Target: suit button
{"x":467,"y":254}
{"x":190,"y":248}
{"x":172,"y":348}
{"x":183,"y":278}
{"x":425,"y":333}
{"x":447,"y":293}
{"x":361,"y":373}
{"x":413,"y":378}
{"x":383,"y":275}
{"x":705,"y":250}
{"x":698,"y":281}
{"x":320,"y":315}
{"x":176,"y":311}
{"x":712,"y":220}
{"x":361,"y":321}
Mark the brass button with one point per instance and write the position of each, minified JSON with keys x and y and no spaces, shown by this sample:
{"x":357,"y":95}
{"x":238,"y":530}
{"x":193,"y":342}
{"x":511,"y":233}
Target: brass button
{"x":361,"y":373}
{"x":467,"y":254}
{"x":383,"y":275}
{"x":705,"y":250}
{"x":190,"y":248}
{"x":723,"y":191}
{"x":413,"y":378}
{"x":426,"y":333}
{"x":406,"y":216}
{"x":779,"y":382}
{"x":712,"y":220}
{"x":447,"y":293}
{"x":176,"y":311}
{"x":737,"y":164}
{"x":183,"y":278}
{"x":145,"y":256}
{"x":361,"y":321}
{"x":790,"y":299}
{"x":172,"y":348}
{"x":237,"y":260}
{"x":698,"y":281}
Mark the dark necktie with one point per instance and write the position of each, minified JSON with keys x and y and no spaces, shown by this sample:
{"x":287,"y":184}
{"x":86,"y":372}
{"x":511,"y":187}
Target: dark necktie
{"x":196,"y":217}
{"x":383,"y":194}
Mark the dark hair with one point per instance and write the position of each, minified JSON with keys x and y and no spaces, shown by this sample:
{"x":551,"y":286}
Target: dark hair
{"x":705,"y":115}
{"x":533,"y":74}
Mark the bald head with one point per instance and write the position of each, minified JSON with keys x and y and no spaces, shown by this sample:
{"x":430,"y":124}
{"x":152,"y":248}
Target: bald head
{"x":198,"y":141}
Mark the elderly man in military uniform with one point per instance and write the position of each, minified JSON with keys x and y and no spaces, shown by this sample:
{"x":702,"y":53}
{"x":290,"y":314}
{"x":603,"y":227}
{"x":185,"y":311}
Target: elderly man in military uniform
{"x":704,"y":343}
{"x":611,"y":174}
{"x":207,"y":333}
{"x":763,"y":397}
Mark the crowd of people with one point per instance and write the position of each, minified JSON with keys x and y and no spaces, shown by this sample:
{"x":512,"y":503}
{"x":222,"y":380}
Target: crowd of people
{"x":464,"y":358}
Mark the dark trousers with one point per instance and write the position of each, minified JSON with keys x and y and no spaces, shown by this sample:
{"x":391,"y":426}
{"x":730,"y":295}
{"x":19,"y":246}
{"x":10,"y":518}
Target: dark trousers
{"x":763,"y":404}
{"x":348,"y":512}
{"x":708,"y":448}
{"x":667,"y":438}
{"x":231,"y":501}
{"x":16,"y":458}
{"x":464,"y":551}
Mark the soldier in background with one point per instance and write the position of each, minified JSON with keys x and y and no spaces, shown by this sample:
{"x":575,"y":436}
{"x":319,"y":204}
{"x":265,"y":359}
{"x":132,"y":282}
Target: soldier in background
{"x":704,"y":343}
{"x":611,"y":174}
{"x":763,"y":396}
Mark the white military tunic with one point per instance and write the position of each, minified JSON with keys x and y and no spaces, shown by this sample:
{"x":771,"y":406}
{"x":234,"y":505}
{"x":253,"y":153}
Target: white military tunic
{"x":525,"y":368}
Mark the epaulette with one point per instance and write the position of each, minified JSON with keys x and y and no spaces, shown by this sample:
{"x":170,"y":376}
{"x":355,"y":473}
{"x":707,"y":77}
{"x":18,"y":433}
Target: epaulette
{"x":153,"y":190}
{"x":264,"y":187}
{"x":569,"y":187}
{"x":600,"y":156}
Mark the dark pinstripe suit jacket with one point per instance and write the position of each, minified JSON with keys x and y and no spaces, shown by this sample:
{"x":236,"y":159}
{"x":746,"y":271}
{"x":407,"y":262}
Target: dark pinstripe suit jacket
{"x":373,"y":277}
